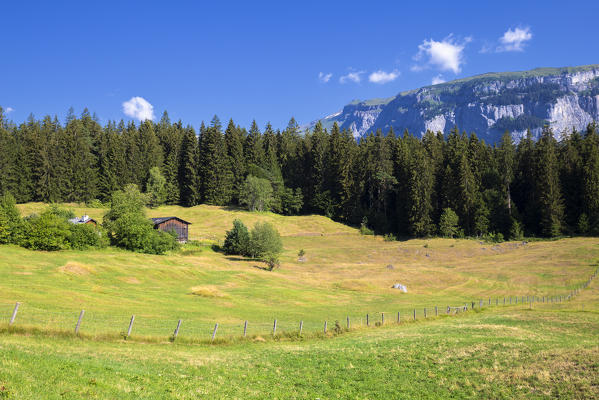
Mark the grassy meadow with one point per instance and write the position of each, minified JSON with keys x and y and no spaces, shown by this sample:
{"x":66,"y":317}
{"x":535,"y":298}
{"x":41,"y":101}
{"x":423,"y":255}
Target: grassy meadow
{"x":499,"y":352}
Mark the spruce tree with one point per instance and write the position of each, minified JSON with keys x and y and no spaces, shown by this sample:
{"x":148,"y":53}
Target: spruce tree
{"x":234,"y":139}
{"x":549,"y":193}
{"x":590,"y":189}
{"x":215,"y":174}
{"x":188,"y":169}
{"x":420,"y":181}
{"x":253,"y":149}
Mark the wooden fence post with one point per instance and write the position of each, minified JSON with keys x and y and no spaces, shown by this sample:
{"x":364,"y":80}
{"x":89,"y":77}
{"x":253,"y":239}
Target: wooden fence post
{"x":367,"y":320}
{"x":214,"y":332}
{"x":325,"y":327}
{"x":424,"y":312}
{"x":414,"y":314}
{"x":398,"y":317}
{"x":14,"y":313}
{"x":348,"y":322}
{"x":301,"y":327}
{"x":176,"y":332}
{"x":436,"y":312}
{"x":382,"y":318}
{"x":79,"y":321}
{"x":274,"y":328}
{"x":130,"y":325}
{"x":245,"y":328}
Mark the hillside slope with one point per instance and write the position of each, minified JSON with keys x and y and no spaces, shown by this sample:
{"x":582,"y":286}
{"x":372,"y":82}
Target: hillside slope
{"x":344,"y":273}
{"x":487,"y":104}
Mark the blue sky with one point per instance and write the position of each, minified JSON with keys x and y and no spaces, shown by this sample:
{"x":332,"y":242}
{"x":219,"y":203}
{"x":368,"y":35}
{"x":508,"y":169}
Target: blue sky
{"x":268,"y":60}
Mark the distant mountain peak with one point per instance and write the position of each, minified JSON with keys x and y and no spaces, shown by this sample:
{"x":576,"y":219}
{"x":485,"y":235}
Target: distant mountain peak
{"x":487,"y":104}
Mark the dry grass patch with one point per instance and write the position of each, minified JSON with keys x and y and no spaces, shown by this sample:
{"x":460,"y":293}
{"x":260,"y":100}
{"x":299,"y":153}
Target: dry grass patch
{"x":75,"y":268}
{"x":130,"y":279}
{"x":207,"y":291}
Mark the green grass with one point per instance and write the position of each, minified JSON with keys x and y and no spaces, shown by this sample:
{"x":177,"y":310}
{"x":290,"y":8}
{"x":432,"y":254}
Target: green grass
{"x":501,"y":352}
{"x":513,"y":353}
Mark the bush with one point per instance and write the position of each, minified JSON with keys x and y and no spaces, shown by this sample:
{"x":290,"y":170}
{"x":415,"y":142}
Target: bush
{"x":85,"y":236}
{"x":136,"y":233}
{"x":60,"y":212}
{"x":256,"y":193}
{"x":47,"y":231}
{"x":583,"y":224}
{"x":389,"y":237}
{"x":11,"y":223}
{"x":448,"y":223}
{"x":494,"y":237}
{"x":156,"y":188}
{"x":237,"y":240}
{"x":516,"y":232}
{"x":129,"y":228}
{"x":265,"y":242}
{"x":364,"y":229}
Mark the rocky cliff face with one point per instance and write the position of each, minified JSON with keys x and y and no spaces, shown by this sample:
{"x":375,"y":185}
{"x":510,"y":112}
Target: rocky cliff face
{"x":489,"y":104}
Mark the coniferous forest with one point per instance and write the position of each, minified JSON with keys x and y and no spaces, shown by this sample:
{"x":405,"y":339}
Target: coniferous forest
{"x":393,"y":184}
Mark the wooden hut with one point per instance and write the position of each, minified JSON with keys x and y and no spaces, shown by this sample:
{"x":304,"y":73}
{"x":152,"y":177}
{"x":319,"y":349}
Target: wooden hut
{"x":176,"y":224}
{"x":84,"y":220}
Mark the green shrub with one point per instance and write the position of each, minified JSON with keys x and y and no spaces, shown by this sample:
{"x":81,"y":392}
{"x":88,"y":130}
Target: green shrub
{"x":516,"y":232}
{"x":583,"y":224}
{"x":389,"y":237}
{"x":256,"y":193}
{"x":265,"y":241}
{"x":60,"y":212}
{"x":156,"y":188}
{"x":364,"y":229}
{"x":11,"y":223}
{"x":237,"y":240}
{"x":47,"y":231}
{"x":85,"y":236}
{"x":493,"y":237}
{"x":448,"y":223}
{"x":95,"y":203}
{"x":129,"y":228}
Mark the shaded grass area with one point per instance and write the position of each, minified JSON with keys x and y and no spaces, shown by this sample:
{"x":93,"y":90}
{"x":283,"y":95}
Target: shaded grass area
{"x":508,"y":353}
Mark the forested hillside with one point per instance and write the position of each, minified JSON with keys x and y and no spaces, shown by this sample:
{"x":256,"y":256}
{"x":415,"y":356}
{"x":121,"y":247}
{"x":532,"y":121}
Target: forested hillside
{"x":399,"y":185}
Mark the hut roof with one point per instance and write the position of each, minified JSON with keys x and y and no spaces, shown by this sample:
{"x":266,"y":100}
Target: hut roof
{"x":159,"y":220}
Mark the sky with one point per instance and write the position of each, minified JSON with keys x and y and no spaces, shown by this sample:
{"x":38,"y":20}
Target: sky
{"x":267,"y":61}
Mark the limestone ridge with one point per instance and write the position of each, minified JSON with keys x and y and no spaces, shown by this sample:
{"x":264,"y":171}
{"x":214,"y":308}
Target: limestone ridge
{"x":487,"y":104}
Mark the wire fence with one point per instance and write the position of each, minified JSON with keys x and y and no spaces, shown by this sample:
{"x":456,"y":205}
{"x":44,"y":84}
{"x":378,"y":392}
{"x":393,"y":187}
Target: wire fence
{"x":191,"y":327}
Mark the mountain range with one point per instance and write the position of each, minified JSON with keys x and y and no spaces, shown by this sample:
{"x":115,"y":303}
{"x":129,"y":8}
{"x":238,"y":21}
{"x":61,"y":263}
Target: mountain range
{"x":487,"y":104}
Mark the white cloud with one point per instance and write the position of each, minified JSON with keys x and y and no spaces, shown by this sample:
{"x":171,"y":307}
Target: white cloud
{"x":352,"y":76}
{"x":437,"y":79}
{"x":381,"y":76}
{"x":8,"y":110}
{"x":447,"y":55}
{"x":324,"y":78}
{"x":514,"y":40}
{"x":138,"y":108}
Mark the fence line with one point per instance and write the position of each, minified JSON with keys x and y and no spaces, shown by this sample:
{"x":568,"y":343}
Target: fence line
{"x":89,"y":323}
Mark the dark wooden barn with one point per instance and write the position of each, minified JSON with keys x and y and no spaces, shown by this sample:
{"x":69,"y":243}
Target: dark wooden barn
{"x":176,"y":224}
